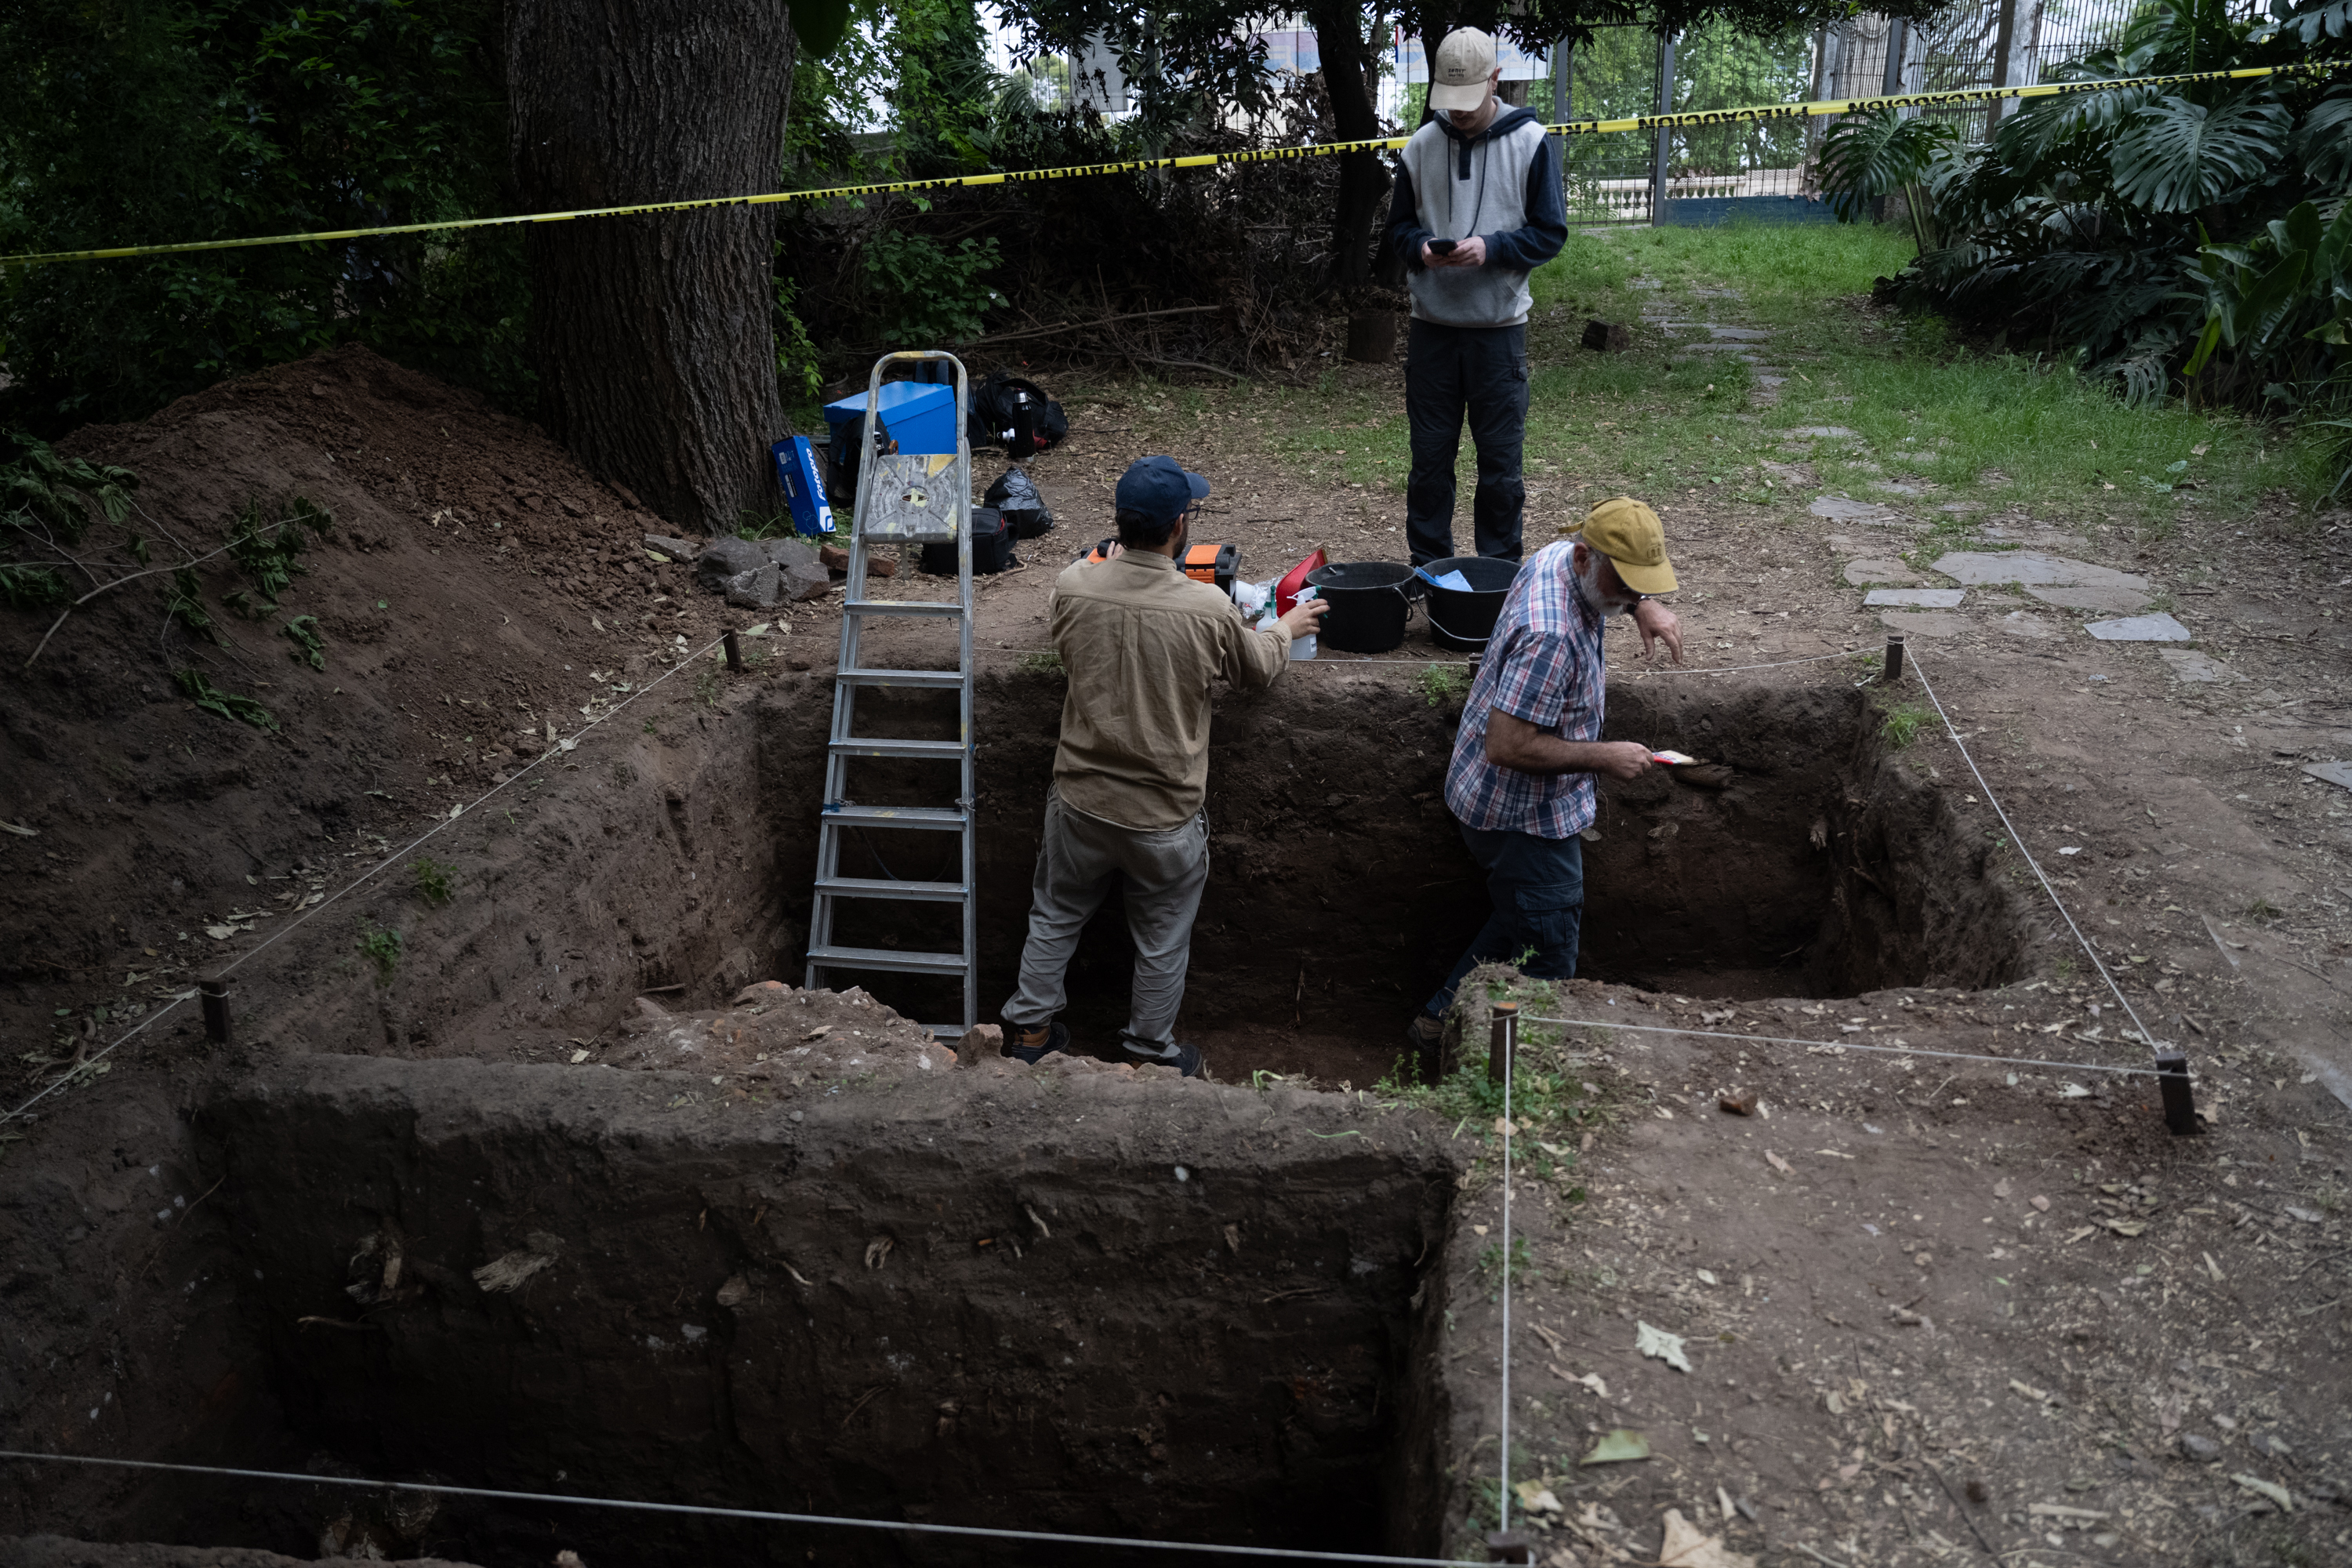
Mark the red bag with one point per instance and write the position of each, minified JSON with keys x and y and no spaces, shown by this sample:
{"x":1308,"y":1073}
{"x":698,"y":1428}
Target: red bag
{"x":1286,"y":593}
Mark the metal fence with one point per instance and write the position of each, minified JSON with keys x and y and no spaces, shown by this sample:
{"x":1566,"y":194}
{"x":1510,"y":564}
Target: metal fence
{"x":1704,"y":175}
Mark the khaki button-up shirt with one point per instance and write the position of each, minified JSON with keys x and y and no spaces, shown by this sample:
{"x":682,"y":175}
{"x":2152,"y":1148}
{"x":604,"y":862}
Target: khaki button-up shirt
{"x":1142,"y":642}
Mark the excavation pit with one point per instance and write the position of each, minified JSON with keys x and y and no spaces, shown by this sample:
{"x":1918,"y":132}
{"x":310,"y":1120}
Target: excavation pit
{"x":1069,"y":1302}
{"x":640,"y":1284}
{"x":1341,"y":892}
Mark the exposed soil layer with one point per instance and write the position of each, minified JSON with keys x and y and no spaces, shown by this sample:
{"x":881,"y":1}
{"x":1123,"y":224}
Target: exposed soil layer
{"x":1341,"y":892}
{"x":1067,"y":1300}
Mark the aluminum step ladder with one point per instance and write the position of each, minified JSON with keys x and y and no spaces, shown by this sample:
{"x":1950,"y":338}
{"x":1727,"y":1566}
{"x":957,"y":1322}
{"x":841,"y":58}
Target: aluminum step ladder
{"x":902,"y":498}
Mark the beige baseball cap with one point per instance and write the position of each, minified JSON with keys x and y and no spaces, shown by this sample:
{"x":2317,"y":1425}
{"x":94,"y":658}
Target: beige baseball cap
{"x":1457,"y":80}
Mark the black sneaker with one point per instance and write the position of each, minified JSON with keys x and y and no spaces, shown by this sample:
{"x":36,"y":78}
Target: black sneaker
{"x":1033,"y":1043}
{"x":1186,"y":1059}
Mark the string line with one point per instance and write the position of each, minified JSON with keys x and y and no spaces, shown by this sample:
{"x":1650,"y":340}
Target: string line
{"x":760,"y":1516}
{"x":1858,"y":1045}
{"x":1343,"y":663}
{"x":319,"y":908}
{"x":2017,"y":840}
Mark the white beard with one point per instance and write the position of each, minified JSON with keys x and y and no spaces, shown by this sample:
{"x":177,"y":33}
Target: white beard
{"x":1588,"y":588}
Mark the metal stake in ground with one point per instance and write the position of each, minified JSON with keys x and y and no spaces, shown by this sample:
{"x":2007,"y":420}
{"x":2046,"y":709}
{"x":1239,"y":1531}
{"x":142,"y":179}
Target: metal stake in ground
{"x":1510,"y":1546}
{"x":213,"y":991}
{"x":1502,"y":1042}
{"x":734,"y":651}
{"x":1894,"y":672}
{"x":2180,"y":1102}
{"x":1500,"y":1054}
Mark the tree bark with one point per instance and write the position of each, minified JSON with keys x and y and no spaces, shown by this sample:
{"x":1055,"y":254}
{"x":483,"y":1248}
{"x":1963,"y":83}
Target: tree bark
{"x":1355,"y":117}
{"x":654,"y":335}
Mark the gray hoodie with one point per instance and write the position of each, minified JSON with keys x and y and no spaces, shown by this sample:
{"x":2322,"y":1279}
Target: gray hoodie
{"x":1501,"y":183}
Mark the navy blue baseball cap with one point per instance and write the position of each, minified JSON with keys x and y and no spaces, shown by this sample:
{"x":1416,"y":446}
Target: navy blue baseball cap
{"x":1159,"y":487}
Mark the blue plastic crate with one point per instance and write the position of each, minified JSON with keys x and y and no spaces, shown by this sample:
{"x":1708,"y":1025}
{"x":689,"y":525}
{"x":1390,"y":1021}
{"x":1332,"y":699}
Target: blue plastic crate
{"x":918,"y":414}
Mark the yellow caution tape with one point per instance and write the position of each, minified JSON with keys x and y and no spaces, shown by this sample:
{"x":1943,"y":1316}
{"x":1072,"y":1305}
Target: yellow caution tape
{"x":1701,"y":117}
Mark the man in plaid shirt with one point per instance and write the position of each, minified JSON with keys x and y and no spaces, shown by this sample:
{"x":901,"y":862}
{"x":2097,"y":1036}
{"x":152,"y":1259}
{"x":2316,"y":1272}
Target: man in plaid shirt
{"x":1529,"y":744}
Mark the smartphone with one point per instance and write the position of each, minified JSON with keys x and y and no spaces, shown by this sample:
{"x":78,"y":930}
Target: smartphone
{"x":1443,"y":247}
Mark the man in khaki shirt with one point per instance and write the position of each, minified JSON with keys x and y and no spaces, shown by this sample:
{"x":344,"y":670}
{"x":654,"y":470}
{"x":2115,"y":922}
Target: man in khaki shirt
{"x":1141,"y":643}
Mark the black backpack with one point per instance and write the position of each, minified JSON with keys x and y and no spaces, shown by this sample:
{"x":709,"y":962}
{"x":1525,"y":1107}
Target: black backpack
{"x":1016,"y":415}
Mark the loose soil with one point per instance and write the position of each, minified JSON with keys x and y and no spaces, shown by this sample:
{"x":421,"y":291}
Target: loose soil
{"x":1855,"y":1399}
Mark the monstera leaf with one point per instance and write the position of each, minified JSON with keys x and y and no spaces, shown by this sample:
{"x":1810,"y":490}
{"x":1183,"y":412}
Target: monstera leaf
{"x":1876,"y":153}
{"x":2322,"y":142}
{"x":2176,"y":157}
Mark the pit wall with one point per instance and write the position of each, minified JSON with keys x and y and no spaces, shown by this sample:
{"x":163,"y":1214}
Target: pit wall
{"x":1337,"y":872}
{"x":1338,"y":880}
{"x":990,"y":1301}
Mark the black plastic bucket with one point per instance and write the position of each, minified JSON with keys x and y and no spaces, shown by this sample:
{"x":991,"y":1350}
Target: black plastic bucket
{"x":1465,"y":621}
{"x":1367,"y":604}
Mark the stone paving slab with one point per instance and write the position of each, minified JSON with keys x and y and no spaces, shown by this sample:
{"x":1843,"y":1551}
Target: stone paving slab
{"x":2191,"y":667}
{"x":2112,"y":598}
{"x":1871,"y":571}
{"x":1915,"y":598}
{"x":2030,"y":568}
{"x":1838,"y":509}
{"x":1925,"y":622}
{"x":2158,"y":628}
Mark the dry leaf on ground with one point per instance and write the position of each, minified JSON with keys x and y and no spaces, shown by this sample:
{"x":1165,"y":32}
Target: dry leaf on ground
{"x":1661,"y":1345}
{"x":1685,"y":1546}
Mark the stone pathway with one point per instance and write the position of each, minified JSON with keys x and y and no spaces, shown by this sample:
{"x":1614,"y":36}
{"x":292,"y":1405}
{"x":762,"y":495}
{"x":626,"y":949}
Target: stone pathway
{"x":1905,"y":599}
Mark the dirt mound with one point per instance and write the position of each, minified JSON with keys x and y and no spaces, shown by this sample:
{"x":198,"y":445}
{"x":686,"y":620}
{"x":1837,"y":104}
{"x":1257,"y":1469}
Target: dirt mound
{"x":476,"y":577}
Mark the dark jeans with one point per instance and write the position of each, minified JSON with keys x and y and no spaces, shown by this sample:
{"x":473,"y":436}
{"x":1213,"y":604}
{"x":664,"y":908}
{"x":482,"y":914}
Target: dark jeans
{"x":1450,"y":372}
{"x":1537,"y":888}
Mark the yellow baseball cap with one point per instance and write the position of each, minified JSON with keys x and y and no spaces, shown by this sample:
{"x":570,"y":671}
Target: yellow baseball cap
{"x":1631,"y":535}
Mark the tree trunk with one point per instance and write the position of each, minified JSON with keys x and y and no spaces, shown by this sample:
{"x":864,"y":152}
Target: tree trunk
{"x":1355,"y":117}
{"x":654,"y":335}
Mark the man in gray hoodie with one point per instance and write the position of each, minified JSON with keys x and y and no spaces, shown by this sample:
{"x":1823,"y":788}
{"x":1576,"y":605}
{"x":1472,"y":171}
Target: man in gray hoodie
{"x":1476,"y":208}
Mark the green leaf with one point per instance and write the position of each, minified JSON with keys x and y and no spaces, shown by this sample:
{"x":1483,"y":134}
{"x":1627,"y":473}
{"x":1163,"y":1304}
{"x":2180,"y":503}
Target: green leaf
{"x":1618,"y":1445}
{"x":227,"y":705}
{"x":2178,"y":156}
{"x":1867,"y":156}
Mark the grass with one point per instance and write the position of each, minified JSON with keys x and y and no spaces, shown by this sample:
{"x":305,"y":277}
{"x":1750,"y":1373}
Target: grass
{"x":432,"y":879}
{"x":1993,"y":429}
{"x":1902,"y":727}
{"x":381,"y":946}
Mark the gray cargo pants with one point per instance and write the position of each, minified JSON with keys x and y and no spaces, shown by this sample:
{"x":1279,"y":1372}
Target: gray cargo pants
{"x":1165,"y":872}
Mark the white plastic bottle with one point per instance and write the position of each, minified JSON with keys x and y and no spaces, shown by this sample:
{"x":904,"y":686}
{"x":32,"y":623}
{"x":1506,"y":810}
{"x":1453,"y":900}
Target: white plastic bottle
{"x":1303,"y":648}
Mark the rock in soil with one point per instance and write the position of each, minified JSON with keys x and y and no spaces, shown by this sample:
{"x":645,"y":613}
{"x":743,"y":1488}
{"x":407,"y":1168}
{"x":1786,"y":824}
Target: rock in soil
{"x":790,"y":552}
{"x":756,"y":589}
{"x":724,"y":558}
{"x":810,"y":582}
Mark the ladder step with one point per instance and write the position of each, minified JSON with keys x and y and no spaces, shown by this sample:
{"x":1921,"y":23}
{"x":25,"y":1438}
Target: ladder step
{"x":885,"y":888}
{"x":948,"y":817}
{"x":901,"y":607}
{"x":886,"y":958}
{"x":948,"y":677}
{"x":952,"y":751}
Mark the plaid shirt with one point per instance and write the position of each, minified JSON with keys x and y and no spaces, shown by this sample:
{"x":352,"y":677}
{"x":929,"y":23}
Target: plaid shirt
{"x":1544,"y":665}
